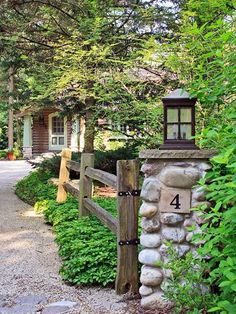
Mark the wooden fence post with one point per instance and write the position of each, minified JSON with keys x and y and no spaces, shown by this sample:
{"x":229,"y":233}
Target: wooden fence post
{"x":64,"y":175}
{"x":127,"y":206}
{"x":85,"y":183}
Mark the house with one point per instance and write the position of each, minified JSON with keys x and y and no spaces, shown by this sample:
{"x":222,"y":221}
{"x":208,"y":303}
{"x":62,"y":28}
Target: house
{"x":45,"y":130}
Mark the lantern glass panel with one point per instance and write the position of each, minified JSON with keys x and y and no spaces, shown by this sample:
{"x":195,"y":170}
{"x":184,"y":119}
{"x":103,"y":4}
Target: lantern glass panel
{"x":185,"y":115}
{"x":172,"y":131}
{"x":185,"y":131}
{"x":172,"y":115}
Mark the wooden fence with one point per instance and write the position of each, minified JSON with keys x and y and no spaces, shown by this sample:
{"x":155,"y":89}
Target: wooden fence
{"x":125,"y":226}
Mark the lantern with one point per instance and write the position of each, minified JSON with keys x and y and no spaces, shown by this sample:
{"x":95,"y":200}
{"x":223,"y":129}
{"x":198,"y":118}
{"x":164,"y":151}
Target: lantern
{"x":179,"y":121}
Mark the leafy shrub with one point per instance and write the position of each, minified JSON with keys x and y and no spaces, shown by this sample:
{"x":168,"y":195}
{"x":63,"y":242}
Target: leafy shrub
{"x":17,"y":151}
{"x":220,"y":184}
{"x":3,"y":154}
{"x":87,"y":248}
{"x":104,"y":160}
{"x":186,"y":286}
{"x":3,"y":126}
{"x":51,"y":165}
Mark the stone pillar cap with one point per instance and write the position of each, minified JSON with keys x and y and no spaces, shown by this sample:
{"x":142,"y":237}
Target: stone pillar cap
{"x":177,"y":154}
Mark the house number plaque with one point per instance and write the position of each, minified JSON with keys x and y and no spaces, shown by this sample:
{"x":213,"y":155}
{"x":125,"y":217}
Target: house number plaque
{"x":175,"y":200}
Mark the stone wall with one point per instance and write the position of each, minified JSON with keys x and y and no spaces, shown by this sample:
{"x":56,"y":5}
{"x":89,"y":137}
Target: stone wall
{"x":165,"y":217}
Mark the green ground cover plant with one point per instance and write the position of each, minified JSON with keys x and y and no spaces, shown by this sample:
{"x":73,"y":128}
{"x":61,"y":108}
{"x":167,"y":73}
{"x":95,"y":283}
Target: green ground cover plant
{"x":34,"y":187}
{"x":86,"y":247}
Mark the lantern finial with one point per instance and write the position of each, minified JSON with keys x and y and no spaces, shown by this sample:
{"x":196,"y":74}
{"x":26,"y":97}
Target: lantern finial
{"x":178,"y":93}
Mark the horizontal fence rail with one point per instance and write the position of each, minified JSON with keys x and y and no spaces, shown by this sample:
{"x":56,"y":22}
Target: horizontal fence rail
{"x":71,"y":188}
{"x":125,"y":227}
{"x":106,"y":218}
{"x":73,"y":165}
{"x":102,"y":176}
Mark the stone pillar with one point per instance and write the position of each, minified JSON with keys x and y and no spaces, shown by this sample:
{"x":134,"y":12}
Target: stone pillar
{"x":169,"y":191}
{"x":27,"y":137}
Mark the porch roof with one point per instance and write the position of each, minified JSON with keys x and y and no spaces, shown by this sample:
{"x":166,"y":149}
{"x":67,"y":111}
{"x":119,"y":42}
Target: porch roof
{"x":31,"y":111}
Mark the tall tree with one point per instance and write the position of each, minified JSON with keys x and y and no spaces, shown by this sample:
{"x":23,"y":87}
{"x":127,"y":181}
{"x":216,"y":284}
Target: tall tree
{"x":94,"y":55}
{"x":10,"y":108}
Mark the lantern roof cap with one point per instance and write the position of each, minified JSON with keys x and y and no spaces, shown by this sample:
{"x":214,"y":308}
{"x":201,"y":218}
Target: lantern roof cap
{"x":178,"y":93}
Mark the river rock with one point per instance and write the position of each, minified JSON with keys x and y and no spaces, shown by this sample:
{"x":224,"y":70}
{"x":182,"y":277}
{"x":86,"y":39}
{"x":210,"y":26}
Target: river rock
{"x":56,"y":309}
{"x":198,"y":218}
{"x":150,"y":240}
{"x":204,"y":166}
{"x":198,"y":194}
{"x":171,"y":218}
{"x":179,"y":177}
{"x":150,"y":225}
{"x":152,"y":168}
{"x":151,"y":276}
{"x":59,"y":307}
{"x":182,"y":249}
{"x":144,"y":290}
{"x":18,"y":309}
{"x":164,"y":250}
{"x":31,"y":299}
{"x":173,"y":234}
{"x":151,"y":190}
{"x":183,"y":164}
{"x":190,"y":235}
{"x":148,"y":209}
{"x":149,"y":257}
{"x":154,"y":301}
{"x":189,"y":223}
{"x":198,"y":204}
{"x":168,"y":273}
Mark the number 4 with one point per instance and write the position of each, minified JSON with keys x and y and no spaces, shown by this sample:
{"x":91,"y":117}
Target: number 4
{"x":175,"y":202}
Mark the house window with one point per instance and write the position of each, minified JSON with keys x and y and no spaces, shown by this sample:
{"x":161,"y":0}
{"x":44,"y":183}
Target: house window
{"x":57,"y":132}
{"x":57,"y":125}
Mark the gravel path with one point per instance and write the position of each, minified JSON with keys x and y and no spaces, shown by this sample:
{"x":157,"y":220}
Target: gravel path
{"x":29,"y":262}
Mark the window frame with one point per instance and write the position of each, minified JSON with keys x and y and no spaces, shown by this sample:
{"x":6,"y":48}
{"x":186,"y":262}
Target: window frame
{"x":52,"y":135}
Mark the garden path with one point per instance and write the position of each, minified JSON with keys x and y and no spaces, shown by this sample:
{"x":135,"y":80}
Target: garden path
{"x":29,"y":262}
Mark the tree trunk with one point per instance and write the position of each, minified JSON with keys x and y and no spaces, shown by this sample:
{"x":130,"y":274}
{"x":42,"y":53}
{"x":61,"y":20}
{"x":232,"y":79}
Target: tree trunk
{"x":89,"y":133}
{"x":10,"y":110}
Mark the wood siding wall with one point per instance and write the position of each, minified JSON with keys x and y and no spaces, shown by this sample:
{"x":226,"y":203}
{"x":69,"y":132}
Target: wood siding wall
{"x":40,"y":133}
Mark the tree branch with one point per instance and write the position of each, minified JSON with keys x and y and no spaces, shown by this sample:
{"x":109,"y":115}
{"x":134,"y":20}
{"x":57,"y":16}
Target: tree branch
{"x":50,"y":5}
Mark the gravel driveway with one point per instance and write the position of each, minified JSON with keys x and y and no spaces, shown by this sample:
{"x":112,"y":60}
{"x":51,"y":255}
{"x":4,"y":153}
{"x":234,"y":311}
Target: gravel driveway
{"x":29,"y":262}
